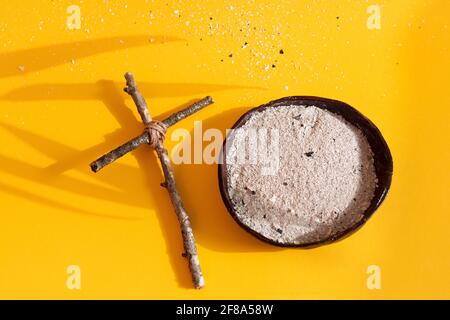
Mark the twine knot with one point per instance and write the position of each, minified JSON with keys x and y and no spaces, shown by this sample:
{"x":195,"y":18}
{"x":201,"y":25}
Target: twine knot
{"x":156,"y":132}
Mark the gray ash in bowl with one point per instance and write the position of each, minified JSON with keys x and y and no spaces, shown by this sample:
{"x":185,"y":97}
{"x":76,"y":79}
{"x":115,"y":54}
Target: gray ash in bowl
{"x":322,"y":182}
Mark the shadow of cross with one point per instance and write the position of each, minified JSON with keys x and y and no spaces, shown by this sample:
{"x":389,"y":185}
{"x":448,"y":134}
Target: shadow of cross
{"x":154,"y":135}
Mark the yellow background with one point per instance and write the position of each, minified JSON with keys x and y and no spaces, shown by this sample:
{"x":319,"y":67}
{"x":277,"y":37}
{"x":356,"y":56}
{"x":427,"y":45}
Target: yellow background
{"x":62,"y":106}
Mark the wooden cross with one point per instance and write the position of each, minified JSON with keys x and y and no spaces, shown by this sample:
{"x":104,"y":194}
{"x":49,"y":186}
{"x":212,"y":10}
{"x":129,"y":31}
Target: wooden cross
{"x":154,"y":135}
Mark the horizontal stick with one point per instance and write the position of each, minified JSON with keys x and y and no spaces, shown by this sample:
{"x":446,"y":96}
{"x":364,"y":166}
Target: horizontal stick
{"x":186,"y":112}
{"x":119,"y":152}
{"x":143,"y":137}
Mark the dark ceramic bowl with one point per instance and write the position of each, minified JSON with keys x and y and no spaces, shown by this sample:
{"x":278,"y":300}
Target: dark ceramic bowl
{"x":381,"y":154}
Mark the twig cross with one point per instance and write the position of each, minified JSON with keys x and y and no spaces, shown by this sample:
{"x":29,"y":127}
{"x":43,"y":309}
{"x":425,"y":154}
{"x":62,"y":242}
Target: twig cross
{"x":154,"y":135}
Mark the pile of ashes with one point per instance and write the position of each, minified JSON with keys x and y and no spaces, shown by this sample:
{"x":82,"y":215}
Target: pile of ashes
{"x":324,"y":182}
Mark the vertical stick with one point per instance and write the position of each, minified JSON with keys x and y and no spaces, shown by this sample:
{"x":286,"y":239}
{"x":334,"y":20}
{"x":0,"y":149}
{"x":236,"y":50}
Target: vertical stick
{"x":157,"y":143}
{"x":185,"y":223}
{"x":138,"y":99}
